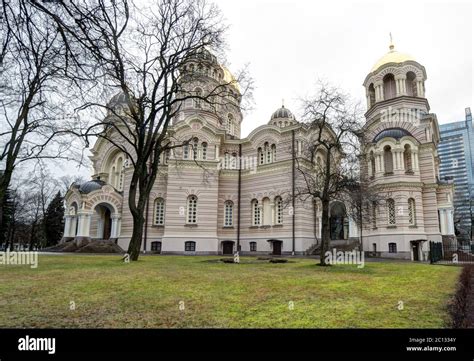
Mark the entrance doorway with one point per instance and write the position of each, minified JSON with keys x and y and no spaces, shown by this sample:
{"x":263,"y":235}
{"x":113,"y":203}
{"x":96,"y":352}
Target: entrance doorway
{"x":415,"y":247}
{"x":227,"y":247}
{"x":277,"y":247}
{"x":102,"y":221}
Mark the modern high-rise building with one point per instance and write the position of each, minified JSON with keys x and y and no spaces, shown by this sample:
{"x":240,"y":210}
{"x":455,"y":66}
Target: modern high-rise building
{"x":456,"y":151}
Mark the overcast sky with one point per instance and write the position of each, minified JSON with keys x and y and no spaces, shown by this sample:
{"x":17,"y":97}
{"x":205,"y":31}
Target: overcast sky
{"x":289,"y":44}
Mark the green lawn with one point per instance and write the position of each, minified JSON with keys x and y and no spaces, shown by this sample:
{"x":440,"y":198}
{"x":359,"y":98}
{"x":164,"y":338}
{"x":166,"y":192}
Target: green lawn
{"x":147,"y":293}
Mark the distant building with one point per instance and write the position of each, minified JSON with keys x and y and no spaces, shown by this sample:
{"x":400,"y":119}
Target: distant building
{"x":456,"y":151}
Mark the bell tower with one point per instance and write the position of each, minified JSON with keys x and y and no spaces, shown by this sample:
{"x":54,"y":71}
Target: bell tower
{"x":401,"y":163}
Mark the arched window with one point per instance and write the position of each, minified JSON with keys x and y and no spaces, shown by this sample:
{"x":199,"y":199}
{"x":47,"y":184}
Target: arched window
{"x":374,"y":214}
{"x":392,"y":247}
{"x":411,"y":211}
{"x":186,"y":151}
{"x":278,"y":210}
{"x":190,"y":246}
{"x":268,"y":154}
{"x":233,"y":161}
{"x":159,"y":212}
{"x":195,"y":148}
{"x":261,"y":158}
{"x":267,"y":212}
{"x":204,"y":150}
{"x":391,"y":211}
{"x":372,"y":164}
{"x":256,"y":216}
{"x":197,"y":101}
{"x":389,"y":89}
{"x":274,"y":151}
{"x":116,"y":170}
{"x":228,"y":213}
{"x":226,"y":160}
{"x":411,"y":84}
{"x":371,"y":95}
{"x":407,"y":158}
{"x":191,"y":216}
{"x":388,"y":159}
{"x":230,"y":124}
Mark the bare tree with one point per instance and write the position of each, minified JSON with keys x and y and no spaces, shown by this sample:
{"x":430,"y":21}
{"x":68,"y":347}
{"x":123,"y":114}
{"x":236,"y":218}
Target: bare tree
{"x":32,"y":120}
{"x":142,"y":53}
{"x":326,"y":169}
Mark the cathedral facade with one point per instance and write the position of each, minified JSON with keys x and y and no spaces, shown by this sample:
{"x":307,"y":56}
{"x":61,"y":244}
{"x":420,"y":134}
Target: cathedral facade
{"x":222,"y":193}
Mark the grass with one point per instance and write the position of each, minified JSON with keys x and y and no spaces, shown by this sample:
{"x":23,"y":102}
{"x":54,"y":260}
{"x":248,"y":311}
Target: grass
{"x":148,"y":293}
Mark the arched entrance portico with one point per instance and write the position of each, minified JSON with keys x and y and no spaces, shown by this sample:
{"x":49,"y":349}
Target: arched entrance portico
{"x":92,"y":212}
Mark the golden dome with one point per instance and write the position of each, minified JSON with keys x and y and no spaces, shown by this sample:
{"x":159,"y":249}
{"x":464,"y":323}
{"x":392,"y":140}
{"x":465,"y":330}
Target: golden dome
{"x":229,"y":78}
{"x":392,"y":56}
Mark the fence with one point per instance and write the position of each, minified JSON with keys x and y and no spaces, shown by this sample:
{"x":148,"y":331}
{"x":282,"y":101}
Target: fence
{"x":449,"y":252}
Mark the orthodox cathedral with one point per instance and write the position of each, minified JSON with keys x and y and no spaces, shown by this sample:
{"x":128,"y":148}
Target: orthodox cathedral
{"x":223,"y":193}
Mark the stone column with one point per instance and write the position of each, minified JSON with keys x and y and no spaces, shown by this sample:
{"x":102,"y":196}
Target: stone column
{"x":379,"y":166}
{"x":419,"y":87}
{"x":400,"y":81}
{"x":450,"y":221}
{"x":442,"y":216}
{"x":68,"y":234}
{"x":83,"y":229}
{"x":216,"y":156}
{"x":353,"y":229}
{"x":115,"y":231}
{"x":320,"y":226}
{"x":378,"y":91}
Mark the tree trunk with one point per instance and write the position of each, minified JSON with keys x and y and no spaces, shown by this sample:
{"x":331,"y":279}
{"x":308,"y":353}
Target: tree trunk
{"x":325,"y":232}
{"x":137,"y":236}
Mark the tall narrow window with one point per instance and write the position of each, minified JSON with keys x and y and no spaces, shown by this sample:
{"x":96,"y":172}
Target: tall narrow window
{"x":186,"y":151}
{"x":407,"y":158}
{"x":159,"y":212}
{"x":191,"y":216}
{"x":388,"y":159}
{"x":411,"y":211}
{"x":267,"y":212}
{"x":228,"y":213}
{"x":230,"y":124}
{"x":374,"y":214}
{"x":204,"y":150}
{"x":197,"y":100}
{"x":389,"y":88}
{"x":226,"y":160}
{"x":195,"y":148}
{"x":256,"y":216}
{"x":253,"y":246}
{"x":278,"y":210}
{"x":268,"y":154}
{"x":372,"y":164}
{"x":261,"y":158}
{"x":371,"y":92}
{"x":411,"y":84}
{"x":391,"y":211}
{"x":274,"y":151}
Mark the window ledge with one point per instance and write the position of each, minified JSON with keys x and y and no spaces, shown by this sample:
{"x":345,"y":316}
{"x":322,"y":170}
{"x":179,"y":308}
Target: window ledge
{"x":392,"y":226}
{"x":265,"y":226}
{"x":278,"y":225}
{"x":413,"y":226}
{"x":158,"y":226}
{"x":191,"y":225}
{"x":253,"y":227}
{"x":228,"y":227}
